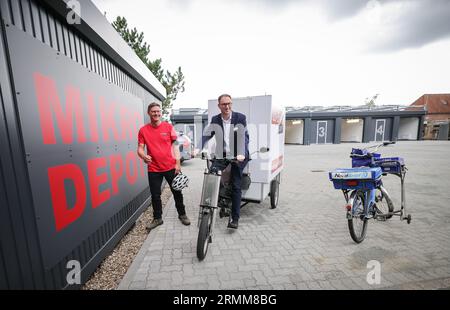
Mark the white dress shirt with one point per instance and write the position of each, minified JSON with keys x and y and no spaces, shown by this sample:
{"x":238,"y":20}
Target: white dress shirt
{"x":226,"y":133}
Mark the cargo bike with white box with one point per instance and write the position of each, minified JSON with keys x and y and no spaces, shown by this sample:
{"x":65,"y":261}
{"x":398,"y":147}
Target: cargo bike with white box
{"x":262,"y":174}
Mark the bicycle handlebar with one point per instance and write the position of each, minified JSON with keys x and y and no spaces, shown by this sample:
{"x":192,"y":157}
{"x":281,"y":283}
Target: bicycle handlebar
{"x":377,"y":146}
{"x":205,"y":154}
{"x":207,"y":157}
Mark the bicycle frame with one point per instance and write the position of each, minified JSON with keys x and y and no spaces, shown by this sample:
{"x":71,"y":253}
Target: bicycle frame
{"x":399,"y":171}
{"x":360,"y":184}
{"x":210,"y":194}
{"x":369,"y":202}
{"x":209,"y":203}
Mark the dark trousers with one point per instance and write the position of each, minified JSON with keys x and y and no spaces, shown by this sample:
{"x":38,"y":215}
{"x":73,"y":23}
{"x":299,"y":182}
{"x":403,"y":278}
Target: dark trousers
{"x":155,"y":180}
{"x":236,"y":180}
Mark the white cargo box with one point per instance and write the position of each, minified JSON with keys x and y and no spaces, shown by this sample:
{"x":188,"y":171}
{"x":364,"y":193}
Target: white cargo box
{"x":266,"y":128}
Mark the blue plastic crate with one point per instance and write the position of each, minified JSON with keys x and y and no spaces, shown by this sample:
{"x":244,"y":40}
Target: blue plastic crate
{"x":364,"y":161}
{"x":356,"y":178}
{"x":390,"y":164}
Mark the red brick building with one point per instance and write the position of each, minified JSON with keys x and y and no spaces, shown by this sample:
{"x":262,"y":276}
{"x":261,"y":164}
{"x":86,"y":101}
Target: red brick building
{"x":437,"y":118}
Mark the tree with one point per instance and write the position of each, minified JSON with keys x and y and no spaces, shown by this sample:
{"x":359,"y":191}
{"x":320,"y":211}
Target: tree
{"x":173,"y":82}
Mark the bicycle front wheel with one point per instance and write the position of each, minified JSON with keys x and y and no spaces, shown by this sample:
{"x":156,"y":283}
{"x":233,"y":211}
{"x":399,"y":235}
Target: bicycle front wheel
{"x":357,"y":225}
{"x":204,"y":233}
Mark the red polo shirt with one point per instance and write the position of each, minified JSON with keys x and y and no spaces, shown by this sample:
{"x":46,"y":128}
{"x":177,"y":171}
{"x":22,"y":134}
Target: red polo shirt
{"x":159,"y":146}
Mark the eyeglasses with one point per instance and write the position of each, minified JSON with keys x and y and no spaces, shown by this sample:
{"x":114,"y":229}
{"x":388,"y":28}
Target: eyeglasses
{"x":225,"y":104}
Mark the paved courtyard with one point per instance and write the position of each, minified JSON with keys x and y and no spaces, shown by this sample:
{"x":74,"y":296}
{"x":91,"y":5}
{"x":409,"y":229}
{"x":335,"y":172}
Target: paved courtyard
{"x":305,"y":243}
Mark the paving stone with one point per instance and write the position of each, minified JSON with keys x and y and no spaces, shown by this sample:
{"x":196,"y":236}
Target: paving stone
{"x":304,"y":243}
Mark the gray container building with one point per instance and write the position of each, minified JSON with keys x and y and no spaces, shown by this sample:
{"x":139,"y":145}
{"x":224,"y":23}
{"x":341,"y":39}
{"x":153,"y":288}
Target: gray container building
{"x":326,"y":125}
{"x":73,"y":96}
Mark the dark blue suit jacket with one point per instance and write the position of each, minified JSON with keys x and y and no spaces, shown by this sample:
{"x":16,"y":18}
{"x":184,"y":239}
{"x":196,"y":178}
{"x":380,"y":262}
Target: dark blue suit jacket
{"x":239,"y":132}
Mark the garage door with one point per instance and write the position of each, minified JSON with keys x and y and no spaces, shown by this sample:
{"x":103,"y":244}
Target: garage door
{"x":322,"y":131}
{"x":294,"y":132}
{"x":409,"y":128}
{"x":382,"y":129}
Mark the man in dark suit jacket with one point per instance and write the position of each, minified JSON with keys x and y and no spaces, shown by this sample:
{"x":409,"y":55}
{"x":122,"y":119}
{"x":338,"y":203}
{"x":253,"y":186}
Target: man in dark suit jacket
{"x":229,"y":129}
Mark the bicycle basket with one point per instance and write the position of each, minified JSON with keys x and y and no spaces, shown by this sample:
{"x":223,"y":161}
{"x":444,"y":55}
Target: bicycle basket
{"x":363,"y":158}
{"x":356,"y":178}
{"x":390,"y":164}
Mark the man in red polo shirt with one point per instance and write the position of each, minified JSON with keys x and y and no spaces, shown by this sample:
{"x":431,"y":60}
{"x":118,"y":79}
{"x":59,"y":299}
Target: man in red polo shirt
{"x":163,"y":160}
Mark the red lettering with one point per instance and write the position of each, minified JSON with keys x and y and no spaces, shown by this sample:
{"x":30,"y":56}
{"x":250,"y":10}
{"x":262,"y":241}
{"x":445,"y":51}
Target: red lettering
{"x":139,"y":121}
{"x":95,"y":180}
{"x":107,"y":118}
{"x":73,"y":100}
{"x":92,"y":115}
{"x":131,"y":159}
{"x":129,"y":122}
{"x":57,"y":175}
{"x":48,"y":101}
{"x":116,"y":173}
{"x":125,"y":123}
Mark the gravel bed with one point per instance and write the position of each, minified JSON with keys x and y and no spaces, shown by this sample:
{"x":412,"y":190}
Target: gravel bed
{"x":113,"y":268}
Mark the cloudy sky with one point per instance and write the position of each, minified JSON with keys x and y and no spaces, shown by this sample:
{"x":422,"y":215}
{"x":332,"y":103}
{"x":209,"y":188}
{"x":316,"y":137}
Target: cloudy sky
{"x":302,"y":52}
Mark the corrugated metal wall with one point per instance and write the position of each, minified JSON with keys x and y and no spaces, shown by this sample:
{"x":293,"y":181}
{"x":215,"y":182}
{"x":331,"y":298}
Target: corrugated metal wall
{"x":37,"y":21}
{"x":21,"y":265}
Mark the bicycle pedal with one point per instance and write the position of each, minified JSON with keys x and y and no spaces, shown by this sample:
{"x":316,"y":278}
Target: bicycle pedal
{"x":371,"y":216}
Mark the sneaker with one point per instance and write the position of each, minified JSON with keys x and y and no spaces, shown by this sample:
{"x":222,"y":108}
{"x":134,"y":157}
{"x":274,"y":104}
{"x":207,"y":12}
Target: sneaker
{"x":233,"y":224}
{"x":153,"y":224}
{"x":184,"y":219}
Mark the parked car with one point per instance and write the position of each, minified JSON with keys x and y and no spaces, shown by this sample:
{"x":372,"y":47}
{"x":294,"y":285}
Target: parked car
{"x":186,"y":147}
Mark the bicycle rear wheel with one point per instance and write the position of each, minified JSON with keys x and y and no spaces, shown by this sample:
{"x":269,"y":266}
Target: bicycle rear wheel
{"x":204,"y":233}
{"x":274,"y":193}
{"x":384,"y":203}
{"x":357,"y":225}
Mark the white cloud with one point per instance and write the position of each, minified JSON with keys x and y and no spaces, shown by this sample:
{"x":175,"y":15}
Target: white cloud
{"x":301,"y":52}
